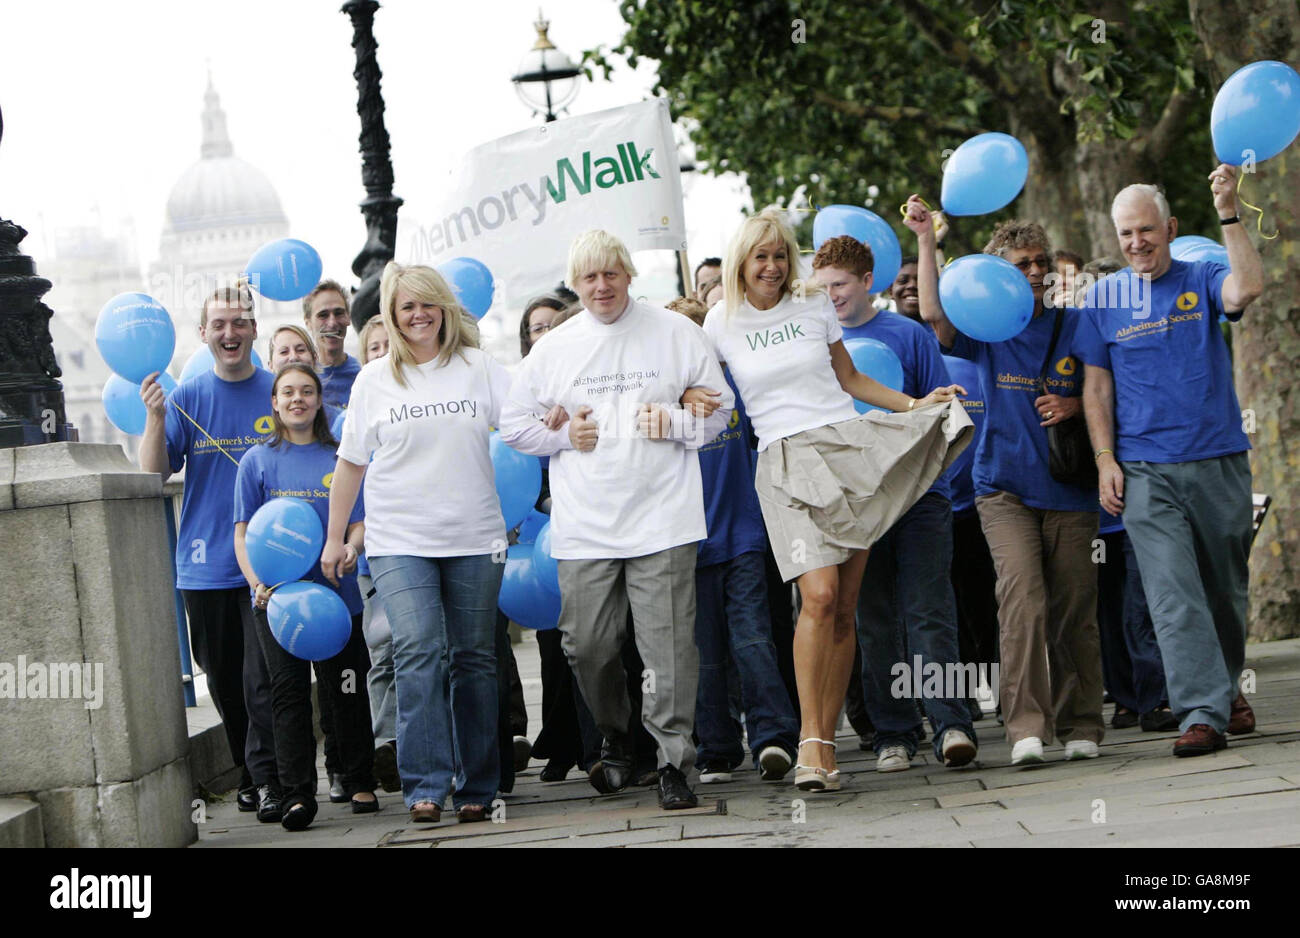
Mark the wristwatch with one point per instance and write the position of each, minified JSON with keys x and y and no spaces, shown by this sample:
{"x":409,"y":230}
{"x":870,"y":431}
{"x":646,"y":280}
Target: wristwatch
{"x":1230,"y":221}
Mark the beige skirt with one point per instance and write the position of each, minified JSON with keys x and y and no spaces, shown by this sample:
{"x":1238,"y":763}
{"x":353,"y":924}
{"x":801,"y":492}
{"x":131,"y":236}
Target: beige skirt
{"x":828,"y":492}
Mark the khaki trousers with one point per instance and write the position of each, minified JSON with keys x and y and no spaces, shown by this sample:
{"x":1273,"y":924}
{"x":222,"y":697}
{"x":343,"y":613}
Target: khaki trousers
{"x":1050,"y":672}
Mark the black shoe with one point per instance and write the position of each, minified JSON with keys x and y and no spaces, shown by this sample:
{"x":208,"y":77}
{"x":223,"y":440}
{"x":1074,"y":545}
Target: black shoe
{"x":523,"y":752}
{"x":386,"y":767}
{"x":299,"y":815}
{"x":246,"y":800}
{"x":867,"y":743}
{"x":645,"y":778}
{"x":1160,"y":720}
{"x":556,"y":771}
{"x":268,"y":804}
{"x":674,"y":793}
{"x":338,"y":793}
{"x":364,"y":807}
{"x":614,"y":770}
{"x":1123,"y":718}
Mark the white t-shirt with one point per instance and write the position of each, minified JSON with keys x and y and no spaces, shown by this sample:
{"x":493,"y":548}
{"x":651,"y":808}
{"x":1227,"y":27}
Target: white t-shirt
{"x":430,"y":488}
{"x":630,"y":496}
{"x":780,"y":359}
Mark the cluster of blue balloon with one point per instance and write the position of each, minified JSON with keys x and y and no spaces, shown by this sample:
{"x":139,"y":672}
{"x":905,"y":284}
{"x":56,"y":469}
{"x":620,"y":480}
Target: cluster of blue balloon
{"x":284,"y":541}
{"x":135,"y":337}
{"x":472,"y":282}
{"x":530,"y":585}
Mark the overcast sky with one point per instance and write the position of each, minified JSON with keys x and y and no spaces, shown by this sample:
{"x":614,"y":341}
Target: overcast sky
{"x":102,"y":101}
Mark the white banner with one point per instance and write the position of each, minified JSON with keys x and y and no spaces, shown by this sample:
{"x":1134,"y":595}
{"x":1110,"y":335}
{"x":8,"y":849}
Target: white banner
{"x":522,"y":199}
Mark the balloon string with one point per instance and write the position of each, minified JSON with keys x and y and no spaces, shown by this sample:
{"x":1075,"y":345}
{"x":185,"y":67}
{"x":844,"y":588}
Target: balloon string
{"x":1259,"y":222}
{"x":204,"y":432}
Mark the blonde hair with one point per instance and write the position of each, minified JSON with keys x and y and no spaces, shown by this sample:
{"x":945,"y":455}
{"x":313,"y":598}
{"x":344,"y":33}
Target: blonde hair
{"x":764,"y":228}
{"x":301,"y":333}
{"x":457,"y":332}
{"x":373,"y":323}
{"x":597,"y":250}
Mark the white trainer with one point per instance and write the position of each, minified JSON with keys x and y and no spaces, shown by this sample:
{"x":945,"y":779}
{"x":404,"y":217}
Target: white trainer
{"x":958,"y":749}
{"x":1081,"y":749}
{"x":1029,"y":751}
{"x":893,"y":759}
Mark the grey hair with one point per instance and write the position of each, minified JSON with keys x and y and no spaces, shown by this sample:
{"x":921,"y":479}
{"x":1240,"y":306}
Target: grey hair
{"x":1142,"y":190}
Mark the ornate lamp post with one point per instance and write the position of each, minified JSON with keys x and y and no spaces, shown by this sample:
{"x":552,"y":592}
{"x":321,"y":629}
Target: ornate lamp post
{"x":547,"y":80}
{"x":31,"y":400}
{"x":380,"y":205}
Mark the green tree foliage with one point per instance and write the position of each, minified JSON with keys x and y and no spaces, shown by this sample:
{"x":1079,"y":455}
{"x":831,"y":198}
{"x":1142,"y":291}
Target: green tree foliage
{"x":1102,"y":94}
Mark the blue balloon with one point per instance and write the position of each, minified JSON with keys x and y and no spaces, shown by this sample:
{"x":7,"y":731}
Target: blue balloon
{"x":965,"y":372}
{"x":472,"y":282}
{"x":532,"y":524}
{"x":135,"y":336}
{"x":1204,"y":252}
{"x":986,"y":297}
{"x":202,"y":361}
{"x":122,"y":402}
{"x":309,"y":621}
{"x":1256,"y":113}
{"x":518,"y":478}
{"x":876,"y":360}
{"x":984,"y":174}
{"x":544,"y":565}
{"x":1184,"y":243}
{"x":336,"y":428}
{"x":284,"y":540}
{"x":523,"y":600}
{"x":287,"y":269}
{"x":869,"y":228}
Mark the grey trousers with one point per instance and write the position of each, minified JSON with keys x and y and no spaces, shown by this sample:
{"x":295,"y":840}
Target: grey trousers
{"x":379,"y":682}
{"x":660,"y":588}
{"x":1190,"y":527}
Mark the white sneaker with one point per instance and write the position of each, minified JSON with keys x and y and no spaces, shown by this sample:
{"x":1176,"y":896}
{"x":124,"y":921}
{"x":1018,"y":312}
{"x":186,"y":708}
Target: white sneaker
{"x":773,"y":763}
{"x":958,"y":749}
{"x":1029,"y":751}
{"x":893,"y":759}
{"x":1081,"y":749}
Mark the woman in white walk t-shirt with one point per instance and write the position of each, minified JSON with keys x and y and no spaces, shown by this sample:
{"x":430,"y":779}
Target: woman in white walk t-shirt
{"x":830,"y":481}
{"x":417,"y":431}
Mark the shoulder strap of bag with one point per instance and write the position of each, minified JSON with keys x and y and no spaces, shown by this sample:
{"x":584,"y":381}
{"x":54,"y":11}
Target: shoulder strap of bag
{"x":1051,"y":348}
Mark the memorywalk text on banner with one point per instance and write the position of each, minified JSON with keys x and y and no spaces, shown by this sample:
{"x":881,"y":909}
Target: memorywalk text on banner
{"x":520,"y":200}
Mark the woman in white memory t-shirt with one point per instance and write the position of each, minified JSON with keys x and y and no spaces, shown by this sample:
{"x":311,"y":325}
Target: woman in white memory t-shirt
{"x":820,"y":462}
{"x":417,"y":431}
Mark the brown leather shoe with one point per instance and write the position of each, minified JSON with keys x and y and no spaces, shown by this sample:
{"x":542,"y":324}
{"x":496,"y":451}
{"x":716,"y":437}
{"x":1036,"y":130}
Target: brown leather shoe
{"x":425,"y":812}
{"x":1242,"y":719}
{"x":469,"y":813}
{"x":1201,"y":739}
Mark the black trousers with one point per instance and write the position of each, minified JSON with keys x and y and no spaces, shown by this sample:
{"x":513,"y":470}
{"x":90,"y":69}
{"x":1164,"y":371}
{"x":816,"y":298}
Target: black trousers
{"x":561,"y":737}
{"x":973,"y":580}
{"x":512,"y":717}
{"x":223,"y":640}
{"x":342,"y":681}
{"x":780,"y":607}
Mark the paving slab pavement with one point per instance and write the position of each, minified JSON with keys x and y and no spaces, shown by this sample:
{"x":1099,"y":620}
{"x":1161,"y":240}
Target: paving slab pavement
{"x":1136,"y":794}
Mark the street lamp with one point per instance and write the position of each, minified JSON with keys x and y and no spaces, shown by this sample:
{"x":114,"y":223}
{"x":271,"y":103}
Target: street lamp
{"x":547,"y":81}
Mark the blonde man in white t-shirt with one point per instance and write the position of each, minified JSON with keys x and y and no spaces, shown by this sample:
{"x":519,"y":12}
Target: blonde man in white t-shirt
{"x":627,"y":503}
{"x":829,"y":482}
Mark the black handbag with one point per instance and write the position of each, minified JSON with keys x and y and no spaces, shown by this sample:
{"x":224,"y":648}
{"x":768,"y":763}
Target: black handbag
{"x":1069,"y":450}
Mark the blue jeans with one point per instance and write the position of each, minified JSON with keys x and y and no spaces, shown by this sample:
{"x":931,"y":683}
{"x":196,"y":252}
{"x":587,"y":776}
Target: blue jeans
{"x":907,"y":602}
{"x":442,"y":611}
{"x":731,"y":622}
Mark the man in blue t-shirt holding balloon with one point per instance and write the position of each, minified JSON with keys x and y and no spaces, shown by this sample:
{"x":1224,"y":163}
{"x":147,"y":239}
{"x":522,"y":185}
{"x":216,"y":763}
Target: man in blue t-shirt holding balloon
{"x":204,"y":428}
{"x":1171,"y":455}
{"x":906,"y":588}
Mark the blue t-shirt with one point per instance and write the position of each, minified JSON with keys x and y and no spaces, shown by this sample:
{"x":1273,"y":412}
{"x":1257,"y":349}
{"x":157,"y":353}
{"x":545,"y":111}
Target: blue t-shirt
{"x":237,"y":415}
{"x":336,"y":381}
{"x":1108,"y":523}
{"x":303,"y":472}
{"x":1012,"y":455}
{"x":1174,"y":396}
{"x":731,"y":512}
{"x":918,"y":350}
{"x":961,"y":472}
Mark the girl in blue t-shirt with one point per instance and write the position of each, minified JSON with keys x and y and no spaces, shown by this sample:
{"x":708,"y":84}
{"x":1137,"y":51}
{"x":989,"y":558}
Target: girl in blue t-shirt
{"x":298,"y":457}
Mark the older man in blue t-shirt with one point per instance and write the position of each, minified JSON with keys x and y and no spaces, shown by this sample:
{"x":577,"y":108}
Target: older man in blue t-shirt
{"x":1166,"y":427}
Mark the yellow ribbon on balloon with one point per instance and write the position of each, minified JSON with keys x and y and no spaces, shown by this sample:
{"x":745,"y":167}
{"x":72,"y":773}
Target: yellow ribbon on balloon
{"x":1259,"y":221}
{"x":934,"y":220}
